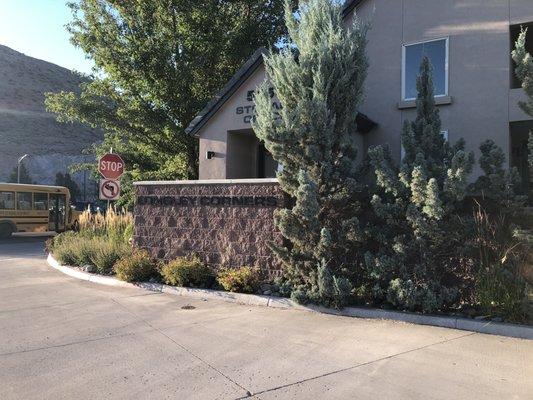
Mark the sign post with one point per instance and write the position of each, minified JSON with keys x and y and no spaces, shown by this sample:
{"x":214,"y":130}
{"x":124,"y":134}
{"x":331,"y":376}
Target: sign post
{"x":111,"y":167}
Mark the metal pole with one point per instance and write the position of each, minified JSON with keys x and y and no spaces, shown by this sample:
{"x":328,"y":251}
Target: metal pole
{"x":18,"y":166}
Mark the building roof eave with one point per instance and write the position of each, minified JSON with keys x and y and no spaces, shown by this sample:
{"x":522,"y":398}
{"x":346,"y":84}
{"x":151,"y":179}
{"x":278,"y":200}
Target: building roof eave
{"x":243,"y":74}
{"x":350,"y":6}
{"x":227,"y":91}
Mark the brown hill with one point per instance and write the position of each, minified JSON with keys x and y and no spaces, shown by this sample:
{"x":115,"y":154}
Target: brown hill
{"x":26,"y":127}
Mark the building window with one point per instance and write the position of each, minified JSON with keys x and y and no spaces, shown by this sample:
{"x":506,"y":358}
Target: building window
{"x":437,"y":52}
{"x":515,"y":32}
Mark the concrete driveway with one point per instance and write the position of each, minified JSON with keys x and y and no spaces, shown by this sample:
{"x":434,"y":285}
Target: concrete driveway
{"x":61,"y":338}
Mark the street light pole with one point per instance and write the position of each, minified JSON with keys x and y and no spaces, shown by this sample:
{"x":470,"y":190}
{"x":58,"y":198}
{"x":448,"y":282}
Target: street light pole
{"x":18,"y":166}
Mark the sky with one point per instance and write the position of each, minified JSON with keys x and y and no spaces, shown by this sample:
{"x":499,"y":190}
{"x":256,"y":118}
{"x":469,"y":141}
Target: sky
{"x":37,"y":29}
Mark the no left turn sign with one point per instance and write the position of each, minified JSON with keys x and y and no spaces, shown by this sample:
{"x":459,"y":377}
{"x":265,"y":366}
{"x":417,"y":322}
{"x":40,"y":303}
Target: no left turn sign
{"x":109,"y":189}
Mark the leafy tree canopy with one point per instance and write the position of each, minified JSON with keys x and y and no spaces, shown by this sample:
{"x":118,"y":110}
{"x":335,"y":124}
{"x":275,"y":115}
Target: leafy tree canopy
{"x":157,"y":63}
{"x":67,"y":181}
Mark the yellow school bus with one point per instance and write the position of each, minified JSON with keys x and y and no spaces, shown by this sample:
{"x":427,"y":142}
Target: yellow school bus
{"x":35,"y":208}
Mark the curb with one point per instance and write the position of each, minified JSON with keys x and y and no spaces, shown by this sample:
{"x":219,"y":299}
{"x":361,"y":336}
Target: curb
{"x":465,"y":324}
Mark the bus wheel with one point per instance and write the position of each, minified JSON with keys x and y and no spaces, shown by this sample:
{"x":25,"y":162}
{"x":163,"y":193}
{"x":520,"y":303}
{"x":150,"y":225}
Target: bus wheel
{"x":5,"y":231}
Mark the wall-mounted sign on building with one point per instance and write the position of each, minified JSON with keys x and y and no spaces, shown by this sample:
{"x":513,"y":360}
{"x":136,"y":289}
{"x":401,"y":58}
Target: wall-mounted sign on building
{"x":247,"y":112}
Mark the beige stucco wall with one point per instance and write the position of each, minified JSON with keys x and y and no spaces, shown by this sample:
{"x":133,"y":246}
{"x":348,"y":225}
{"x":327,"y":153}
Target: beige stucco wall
{"x":479,"y":65}
{"x":213,"y":136}
{"x":479,"y":73}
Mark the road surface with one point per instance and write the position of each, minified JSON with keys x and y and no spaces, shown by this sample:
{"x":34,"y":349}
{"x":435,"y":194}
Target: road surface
{"x":61,"y":338}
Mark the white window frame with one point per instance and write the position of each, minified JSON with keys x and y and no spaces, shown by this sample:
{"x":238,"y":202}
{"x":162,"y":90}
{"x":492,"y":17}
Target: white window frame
{"x":446,"y":66}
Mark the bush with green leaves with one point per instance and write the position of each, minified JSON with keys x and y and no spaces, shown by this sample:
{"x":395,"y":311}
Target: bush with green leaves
{"x":78,"y":250}
{"x":188,"y":272}
{"x":137,"y":267}
{"x":499,"y":288}
{"x":106,"y":254}
{"x":71,"y":249}
{"x":243,"y":280}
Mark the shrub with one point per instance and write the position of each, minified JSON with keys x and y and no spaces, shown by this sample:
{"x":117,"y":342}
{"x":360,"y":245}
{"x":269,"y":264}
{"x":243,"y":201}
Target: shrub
{"x":64,"y":254}
{"x":185,"y":271}
{"x":71,"y":249}
{"x":84,"y":250}
{"x":329,"y":290}
{"x":499,"y":288}
{"x":116,"y":226}
{"x":54,"y":242}
{"x":107,"y":253}
{"x":243,"y":280}
{"x":137,"y":267}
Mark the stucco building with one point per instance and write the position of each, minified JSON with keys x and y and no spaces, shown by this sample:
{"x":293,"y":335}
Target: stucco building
{"x":469,"y":44}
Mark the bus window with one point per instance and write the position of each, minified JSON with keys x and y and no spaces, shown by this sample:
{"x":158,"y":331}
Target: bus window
{"x":41,"y":201}
{"x":24,"y":201}
{"x":7,"y":200}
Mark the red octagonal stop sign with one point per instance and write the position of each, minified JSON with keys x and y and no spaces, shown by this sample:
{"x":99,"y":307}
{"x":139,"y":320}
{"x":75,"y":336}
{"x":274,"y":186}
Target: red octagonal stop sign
{"x":111,"y":166}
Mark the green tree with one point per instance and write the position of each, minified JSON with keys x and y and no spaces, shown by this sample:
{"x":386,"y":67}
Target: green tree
{"x":24,"y":175}
{"x":157,"y":63}
{"x":67,"y":181}
{"x":498,"y":186}
{"x":412,"y":259}
{"x":524,"y":70}
{"x":318,"y":79}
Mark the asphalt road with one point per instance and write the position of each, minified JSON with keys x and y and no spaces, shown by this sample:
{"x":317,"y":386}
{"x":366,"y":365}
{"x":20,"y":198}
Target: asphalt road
{"x":61,"y":338}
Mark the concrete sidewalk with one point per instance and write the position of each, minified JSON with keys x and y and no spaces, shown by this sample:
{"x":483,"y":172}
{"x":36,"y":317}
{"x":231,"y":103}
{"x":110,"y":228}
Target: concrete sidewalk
{"x":61,"y":338}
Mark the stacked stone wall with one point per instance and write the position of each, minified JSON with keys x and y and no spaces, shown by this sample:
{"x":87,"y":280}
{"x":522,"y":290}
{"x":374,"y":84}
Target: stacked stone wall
{"x":228,"y":224}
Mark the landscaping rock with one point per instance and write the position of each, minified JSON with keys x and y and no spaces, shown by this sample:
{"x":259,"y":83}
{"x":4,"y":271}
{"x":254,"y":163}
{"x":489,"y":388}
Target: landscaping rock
{"x":265,"y":287}
{"x":89,"y":268}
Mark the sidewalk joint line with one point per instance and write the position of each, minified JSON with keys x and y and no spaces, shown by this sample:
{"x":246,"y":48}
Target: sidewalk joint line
{"x":67,"y":344}
{"x":358,"y":365}
{"x":248,"y":392}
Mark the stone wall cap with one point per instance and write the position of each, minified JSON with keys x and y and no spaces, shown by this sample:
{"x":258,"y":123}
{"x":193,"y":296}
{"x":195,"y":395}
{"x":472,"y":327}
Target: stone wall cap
{"x":208,"y":182}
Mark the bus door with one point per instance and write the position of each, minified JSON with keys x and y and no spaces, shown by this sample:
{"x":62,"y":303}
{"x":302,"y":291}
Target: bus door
{"x":58,"y":212}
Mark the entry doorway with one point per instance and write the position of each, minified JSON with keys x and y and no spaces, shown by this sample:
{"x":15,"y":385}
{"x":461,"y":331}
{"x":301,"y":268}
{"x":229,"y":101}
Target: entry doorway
{"x":247,"y":157}
{"x":58,"y":212}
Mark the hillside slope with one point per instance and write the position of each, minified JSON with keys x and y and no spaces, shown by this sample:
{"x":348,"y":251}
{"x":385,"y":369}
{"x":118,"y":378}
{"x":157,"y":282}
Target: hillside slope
{"x":26,"y":127}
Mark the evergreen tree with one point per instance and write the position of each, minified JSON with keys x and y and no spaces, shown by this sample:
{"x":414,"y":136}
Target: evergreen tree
{"x":24,"y":175}
{"x":318,"y":79}
{"x":415,"y":235}
{"x":524,"y":70}
{"x":67,"y":181}
{"x":498,"y":186}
